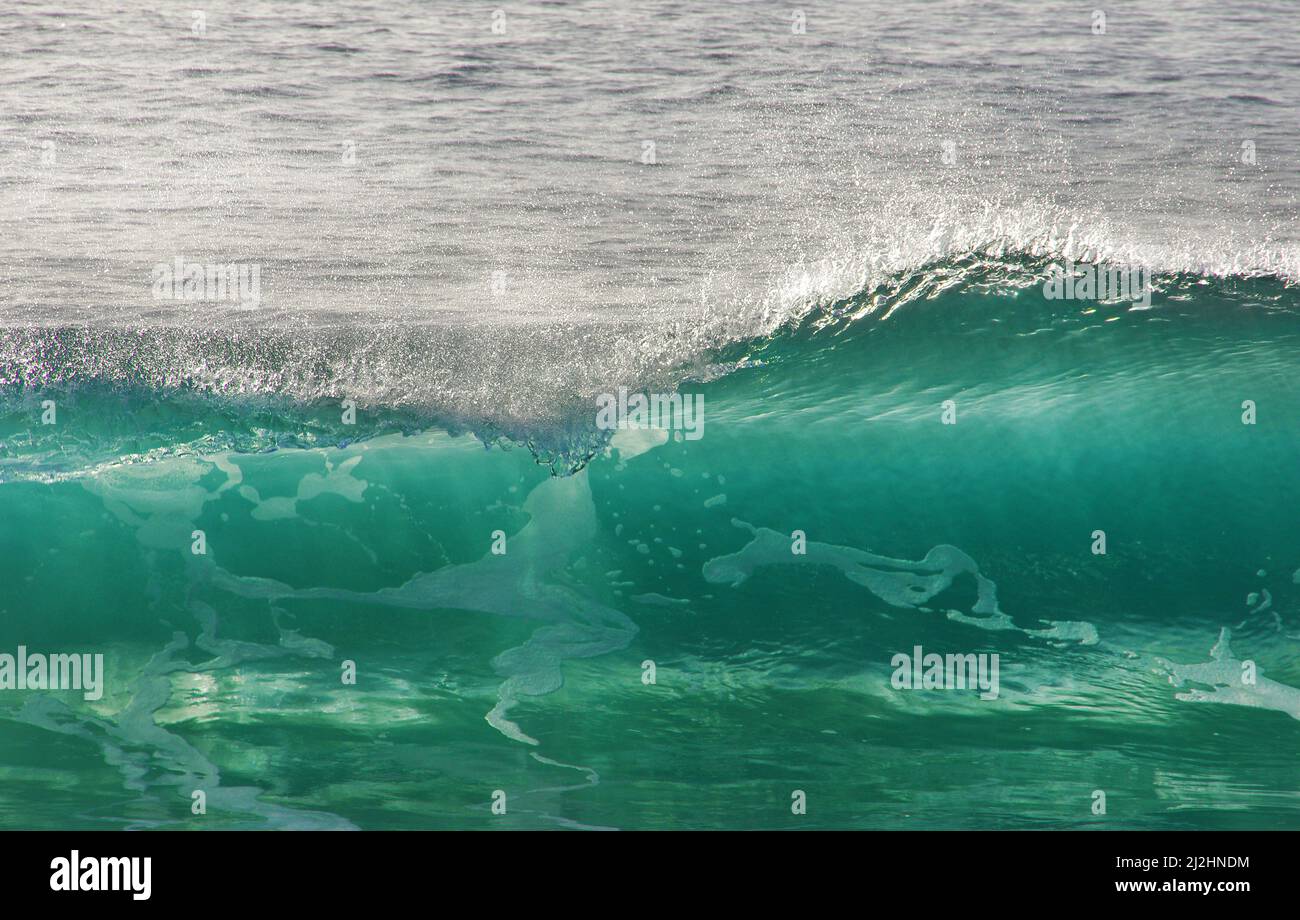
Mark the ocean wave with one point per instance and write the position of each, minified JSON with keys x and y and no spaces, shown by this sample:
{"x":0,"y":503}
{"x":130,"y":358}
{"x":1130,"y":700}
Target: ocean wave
{"x":253,"y":386}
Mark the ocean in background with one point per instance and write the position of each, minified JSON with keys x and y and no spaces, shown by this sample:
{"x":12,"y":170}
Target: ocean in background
{"x":357,"y":553}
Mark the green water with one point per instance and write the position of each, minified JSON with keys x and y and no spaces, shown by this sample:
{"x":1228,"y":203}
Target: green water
{"x":527,"y":671}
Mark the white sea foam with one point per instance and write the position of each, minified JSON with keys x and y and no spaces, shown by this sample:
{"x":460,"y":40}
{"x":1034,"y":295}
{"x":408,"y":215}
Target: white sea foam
{"x":898,"y":582}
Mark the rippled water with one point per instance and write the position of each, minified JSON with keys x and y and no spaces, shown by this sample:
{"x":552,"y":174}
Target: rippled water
{"x":522,"y":152}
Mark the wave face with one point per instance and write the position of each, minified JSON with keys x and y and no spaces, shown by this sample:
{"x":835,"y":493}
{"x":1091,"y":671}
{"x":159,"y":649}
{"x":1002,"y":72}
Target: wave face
{"x":643,"y":555}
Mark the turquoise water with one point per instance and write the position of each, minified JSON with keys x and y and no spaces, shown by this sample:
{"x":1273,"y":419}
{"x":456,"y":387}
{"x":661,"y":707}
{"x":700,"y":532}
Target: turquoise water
{"x":833,"y":225}
{"x":526,"y":671}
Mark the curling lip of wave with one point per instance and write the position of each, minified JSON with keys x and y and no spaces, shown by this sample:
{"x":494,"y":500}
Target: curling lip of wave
{"x":262,"y":388}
